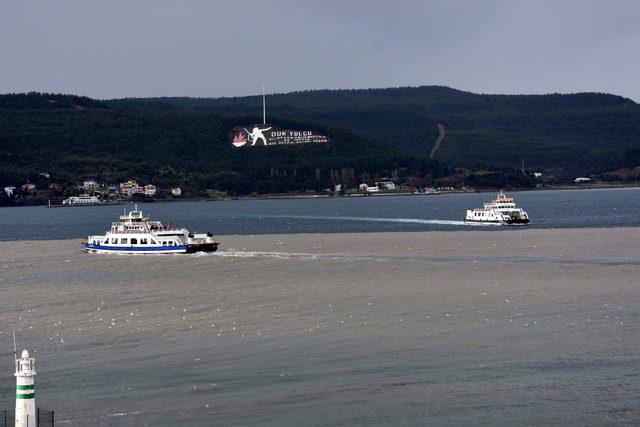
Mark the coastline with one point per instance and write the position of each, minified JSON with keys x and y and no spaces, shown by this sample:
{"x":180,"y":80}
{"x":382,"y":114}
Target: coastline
{"x":566,"y":187}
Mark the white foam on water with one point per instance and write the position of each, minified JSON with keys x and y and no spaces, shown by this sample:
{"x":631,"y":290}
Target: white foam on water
{"x":372,"y":219}
{"x":277,"y":255}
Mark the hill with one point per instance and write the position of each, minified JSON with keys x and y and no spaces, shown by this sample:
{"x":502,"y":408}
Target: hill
{"x":73,"y":138}
{"x":566,"y":134}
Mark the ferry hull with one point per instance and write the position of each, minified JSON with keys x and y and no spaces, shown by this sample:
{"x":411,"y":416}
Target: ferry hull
{"x":518,"y":221}
{"x":202,"y":247}
{"x":182,"y":249}
{"x":478,"y":221}
{"x":136,"y":250}
{"x":514,"y":221}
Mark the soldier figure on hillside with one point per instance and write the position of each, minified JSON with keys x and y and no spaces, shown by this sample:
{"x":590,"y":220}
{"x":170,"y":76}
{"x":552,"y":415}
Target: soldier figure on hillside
{"x":256,"y":135}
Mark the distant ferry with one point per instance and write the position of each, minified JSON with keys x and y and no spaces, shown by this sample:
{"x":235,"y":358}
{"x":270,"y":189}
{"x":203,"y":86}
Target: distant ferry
{"x":135,"y":233}
{"x":502,"y":210}
{"x":82,"y":200}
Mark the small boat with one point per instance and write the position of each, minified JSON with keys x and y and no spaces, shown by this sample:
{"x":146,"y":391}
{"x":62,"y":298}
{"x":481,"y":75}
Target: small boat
{"x":135,"y":233}
{"x":502,"y":210}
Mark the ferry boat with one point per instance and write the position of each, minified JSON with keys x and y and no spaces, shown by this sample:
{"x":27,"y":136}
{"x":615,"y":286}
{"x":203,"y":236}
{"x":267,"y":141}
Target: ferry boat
{"x":502,"y":210}
{"x":135,"y":233}
{"x":81,"y":200}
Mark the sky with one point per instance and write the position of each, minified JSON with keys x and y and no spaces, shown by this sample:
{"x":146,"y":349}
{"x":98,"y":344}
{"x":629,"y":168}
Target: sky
{"x":139,"y":48}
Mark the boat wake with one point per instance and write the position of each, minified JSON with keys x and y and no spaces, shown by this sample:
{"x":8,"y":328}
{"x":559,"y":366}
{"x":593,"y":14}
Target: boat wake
{"x":372,"y":219}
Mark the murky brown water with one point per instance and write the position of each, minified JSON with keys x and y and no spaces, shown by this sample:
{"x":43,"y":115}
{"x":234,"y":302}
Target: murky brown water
{"x":522,"y":326}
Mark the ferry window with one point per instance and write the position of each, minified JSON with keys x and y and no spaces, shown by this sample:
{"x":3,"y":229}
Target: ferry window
{"x":124,"y":241}
{"x":143,"y":241}
{"x":134,"y":241}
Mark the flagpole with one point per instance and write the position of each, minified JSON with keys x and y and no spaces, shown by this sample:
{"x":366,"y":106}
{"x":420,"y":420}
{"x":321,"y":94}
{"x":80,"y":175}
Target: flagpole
{"x":264,"y":108}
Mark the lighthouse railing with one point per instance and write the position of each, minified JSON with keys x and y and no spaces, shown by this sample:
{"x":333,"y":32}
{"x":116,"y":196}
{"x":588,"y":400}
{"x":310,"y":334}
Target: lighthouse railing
{"x":44,"y":418}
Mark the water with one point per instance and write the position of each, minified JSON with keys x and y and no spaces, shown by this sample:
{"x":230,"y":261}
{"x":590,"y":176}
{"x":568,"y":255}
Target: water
{"x":519,"y":327}
{"x":475,"y":325}
{"x":547,"y":209}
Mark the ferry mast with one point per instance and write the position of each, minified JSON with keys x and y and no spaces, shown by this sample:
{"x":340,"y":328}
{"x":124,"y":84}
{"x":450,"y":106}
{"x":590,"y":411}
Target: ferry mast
{"x":25,"y":391}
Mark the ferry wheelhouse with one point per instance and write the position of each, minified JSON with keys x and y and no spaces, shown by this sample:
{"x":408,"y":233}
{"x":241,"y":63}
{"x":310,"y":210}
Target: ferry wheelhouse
{"x":502,"y":210}
{"x":135,"y":233}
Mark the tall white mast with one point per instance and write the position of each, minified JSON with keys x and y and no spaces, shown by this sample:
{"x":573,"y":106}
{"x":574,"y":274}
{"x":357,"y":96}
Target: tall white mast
{"x":264,"y":108}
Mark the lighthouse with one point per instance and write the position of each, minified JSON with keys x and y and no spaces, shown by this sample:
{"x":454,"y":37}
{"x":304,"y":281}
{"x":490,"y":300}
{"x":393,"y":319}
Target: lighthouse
{"x":25,"y":391}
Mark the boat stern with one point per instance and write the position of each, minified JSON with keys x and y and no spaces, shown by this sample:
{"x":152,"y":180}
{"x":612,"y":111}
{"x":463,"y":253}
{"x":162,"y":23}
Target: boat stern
{"x":201,"y":243}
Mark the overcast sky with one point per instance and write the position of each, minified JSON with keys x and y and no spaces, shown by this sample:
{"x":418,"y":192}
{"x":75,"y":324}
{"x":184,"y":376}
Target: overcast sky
{"x":128,"y":48}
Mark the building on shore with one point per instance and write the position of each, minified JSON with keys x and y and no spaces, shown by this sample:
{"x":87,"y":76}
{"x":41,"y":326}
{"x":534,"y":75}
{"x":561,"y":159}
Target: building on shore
{"x":130,"y":191}
{"x":368,"y":188}
{"x":177,"y":191}
{"x":150,"y":190}
{"x":90,"y":185}
{"x":29,"y":188}
{"x":129,"y":184}
{"x":10,"y":191}
{"x":387,"y":185}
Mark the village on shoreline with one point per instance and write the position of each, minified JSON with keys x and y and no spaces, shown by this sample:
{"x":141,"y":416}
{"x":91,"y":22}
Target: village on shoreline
{"x":92,"y":192}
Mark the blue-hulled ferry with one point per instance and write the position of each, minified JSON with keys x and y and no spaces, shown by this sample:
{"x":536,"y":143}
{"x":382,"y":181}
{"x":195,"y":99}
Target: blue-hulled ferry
{"x":136,"y":234}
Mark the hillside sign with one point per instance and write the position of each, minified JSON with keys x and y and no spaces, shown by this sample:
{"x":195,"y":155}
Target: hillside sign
{"x":265,"y":134}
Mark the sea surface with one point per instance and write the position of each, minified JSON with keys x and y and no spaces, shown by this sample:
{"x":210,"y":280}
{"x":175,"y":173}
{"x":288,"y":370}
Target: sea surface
{"x":521,"y":327}
{"x":547,"y":209}
{"x":429,"y":323}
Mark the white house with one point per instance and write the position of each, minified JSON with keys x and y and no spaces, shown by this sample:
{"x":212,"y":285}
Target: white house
{"x":388,"y":185}
{"x":581,"y":179}
{"x":368,"y":189}
{"x":9,"y":191}
{"x":90,"y":185}
{"x":128,"y":184}
{"x":177,"y":191}
{"x":149,"y":190}
{"x":130,"y":191}
{"x":29,"y":187}
{"x":537,"y":174}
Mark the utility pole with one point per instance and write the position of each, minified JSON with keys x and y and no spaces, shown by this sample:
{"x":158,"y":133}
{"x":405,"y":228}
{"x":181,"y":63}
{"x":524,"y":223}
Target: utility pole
{"x":264,"y":107}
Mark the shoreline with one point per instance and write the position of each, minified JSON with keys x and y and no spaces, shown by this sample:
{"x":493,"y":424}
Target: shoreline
{"x":356,"y":195}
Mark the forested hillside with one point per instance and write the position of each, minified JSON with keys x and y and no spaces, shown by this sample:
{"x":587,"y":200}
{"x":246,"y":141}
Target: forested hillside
{"x":577,"y":133}
{"x":74,"y":138}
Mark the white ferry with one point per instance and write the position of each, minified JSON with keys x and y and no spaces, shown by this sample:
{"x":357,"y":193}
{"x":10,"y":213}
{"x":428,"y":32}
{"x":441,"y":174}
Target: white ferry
{"x":135,"y":233}
{"x":502,"y":210}
{"x":81,"y":200}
